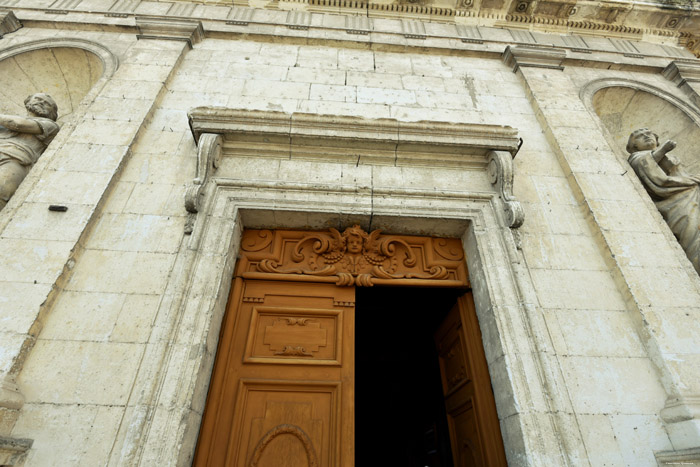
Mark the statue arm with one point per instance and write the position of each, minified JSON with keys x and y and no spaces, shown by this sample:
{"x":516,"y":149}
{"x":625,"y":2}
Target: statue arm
{"x":20,"y":124}
{"x":661,"y":151}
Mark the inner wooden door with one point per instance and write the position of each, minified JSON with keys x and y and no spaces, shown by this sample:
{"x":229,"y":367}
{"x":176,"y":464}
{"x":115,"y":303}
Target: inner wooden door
{"x":282,"y":390}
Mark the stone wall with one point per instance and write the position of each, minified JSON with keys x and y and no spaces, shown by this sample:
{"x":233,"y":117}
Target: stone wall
{"x":108,"y":335}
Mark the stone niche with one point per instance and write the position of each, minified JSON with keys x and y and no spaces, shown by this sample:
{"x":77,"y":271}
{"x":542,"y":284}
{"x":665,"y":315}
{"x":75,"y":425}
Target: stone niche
{"x":624,"y":109}
{"x":65,"y":73}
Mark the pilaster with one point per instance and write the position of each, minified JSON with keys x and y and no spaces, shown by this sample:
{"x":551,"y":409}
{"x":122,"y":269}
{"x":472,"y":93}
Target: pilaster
{"x":584,"y":155}
{"x":34,"y":271}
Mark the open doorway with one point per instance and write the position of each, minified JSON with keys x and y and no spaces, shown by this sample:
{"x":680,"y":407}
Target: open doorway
{"x":399,"y":406}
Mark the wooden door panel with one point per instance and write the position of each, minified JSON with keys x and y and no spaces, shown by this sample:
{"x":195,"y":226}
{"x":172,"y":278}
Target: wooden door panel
{"x":287,"y":423}
{"x":471,"y":411}
{"x":283,"y":384}
{"x":288,"y":335}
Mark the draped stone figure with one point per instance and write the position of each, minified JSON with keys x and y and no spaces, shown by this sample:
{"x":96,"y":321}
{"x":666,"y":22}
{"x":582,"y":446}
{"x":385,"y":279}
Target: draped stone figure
{"x":675,"y":192}
{"x":23,"y":140}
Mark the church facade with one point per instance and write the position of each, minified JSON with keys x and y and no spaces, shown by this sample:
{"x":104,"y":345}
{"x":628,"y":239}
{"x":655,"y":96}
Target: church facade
{"x":244,"y":235}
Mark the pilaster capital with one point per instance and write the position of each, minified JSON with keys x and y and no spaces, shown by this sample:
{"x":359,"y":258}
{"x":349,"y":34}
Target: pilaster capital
{"x":683,"y":71}
{"x":533,"y":56}
{"x":170,"y":29}
{"x":8,"y":23}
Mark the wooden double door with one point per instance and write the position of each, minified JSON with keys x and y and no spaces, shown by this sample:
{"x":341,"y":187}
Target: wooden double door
{"x":282,"y":390}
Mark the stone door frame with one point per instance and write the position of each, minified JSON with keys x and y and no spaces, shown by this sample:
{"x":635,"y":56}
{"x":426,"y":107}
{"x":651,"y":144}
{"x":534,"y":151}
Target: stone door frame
{"x":165,"y":425}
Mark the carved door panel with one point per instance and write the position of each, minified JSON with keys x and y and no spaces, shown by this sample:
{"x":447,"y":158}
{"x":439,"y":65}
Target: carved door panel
{"x":282,"y":389}
{"x":471,"y":411}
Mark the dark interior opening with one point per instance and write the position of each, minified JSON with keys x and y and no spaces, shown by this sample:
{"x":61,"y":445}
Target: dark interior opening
{"x":399,"y":407}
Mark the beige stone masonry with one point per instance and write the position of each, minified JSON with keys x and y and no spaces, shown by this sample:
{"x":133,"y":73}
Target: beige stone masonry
{"x":31,"y":280}
{"x":576,"y":136}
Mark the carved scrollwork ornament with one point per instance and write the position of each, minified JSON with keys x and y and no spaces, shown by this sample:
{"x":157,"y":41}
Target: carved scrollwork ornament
{"x":208,"y":159}
{"x":353,"y":257}
{"x":500,"y":171}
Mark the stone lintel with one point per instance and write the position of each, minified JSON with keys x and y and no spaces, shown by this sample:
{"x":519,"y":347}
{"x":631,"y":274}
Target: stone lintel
{"x":8,"y":23}
{"x":13,"y":450}
{"x":532,"y":56}
{"x":172,"y":29}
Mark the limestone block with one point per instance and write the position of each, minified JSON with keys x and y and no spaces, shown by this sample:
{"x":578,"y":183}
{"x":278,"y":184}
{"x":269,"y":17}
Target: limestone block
{"x":356,"y":60}
{"x":650,"y":287}
{"x":64,"y":187}
{"x":600,"y":441}
{"x":333,"y":93}
{"x":345,"y":108}
{"x":444,"y":100}
{"x":121,"y":272}
{"x":82,"y":372}
{"x":614,"y":330}
{"x":567,"y":289}
{"x":136,"y":317}
{"x":34,"y":221}
{"x":600,"y":385}
{"x":82,"y":157}
{"x":119,"y":109}
{"x":419,"y":83}
{"x":368,"y":95}
{"x":374,"y":80}
{"x":269,"y":89}
{"x":312,"y":75}
{"x":83,"y":316}
{"x":543,"y":251}
{"x":409,"y":114}
{"x":678,"y":329}
{"x":392,"y":63}
{"x":644,"y":249}
{"x":625,"y":216}
{"x":638,"y":437}
{"x":565,"y":219}
{"x":317,"y":57}
{"x":41,"y":261}
{"x":276,"y":54}
{"x":46,"y":425}
{"x":15,"y":299}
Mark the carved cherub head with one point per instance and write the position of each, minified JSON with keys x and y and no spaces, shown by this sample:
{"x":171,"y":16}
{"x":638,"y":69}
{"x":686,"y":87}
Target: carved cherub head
{"x":642,"y":139}
{"x":42,"y":105}
{"x":354,"y":238}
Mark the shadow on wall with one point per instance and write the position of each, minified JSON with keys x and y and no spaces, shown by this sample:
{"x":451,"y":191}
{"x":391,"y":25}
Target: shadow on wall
{"x":623,"y":110}
{"x":65,"y":73}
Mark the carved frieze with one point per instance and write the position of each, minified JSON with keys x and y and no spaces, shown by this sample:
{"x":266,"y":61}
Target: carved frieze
{"x":353,"y":257}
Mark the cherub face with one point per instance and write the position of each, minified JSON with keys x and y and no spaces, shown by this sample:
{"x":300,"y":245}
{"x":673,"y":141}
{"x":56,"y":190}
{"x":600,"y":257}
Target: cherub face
{"x":354,"y":244}
{"x":644,"y":140}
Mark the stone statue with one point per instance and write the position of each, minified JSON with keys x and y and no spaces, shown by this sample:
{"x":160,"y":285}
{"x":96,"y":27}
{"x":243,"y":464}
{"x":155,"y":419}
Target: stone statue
{"x":23,"y":140}
{"x":675,"y":192}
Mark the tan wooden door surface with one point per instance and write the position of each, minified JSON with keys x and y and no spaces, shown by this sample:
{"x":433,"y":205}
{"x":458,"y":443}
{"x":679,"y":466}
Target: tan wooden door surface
{"x":475,"y":435}
{"x":282,"y":389}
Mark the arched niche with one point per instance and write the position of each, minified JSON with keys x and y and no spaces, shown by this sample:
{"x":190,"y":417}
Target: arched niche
{"x":625,"y":107}
{"x":65,"y":69}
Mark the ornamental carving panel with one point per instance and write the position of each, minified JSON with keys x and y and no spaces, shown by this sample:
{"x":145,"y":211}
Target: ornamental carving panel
{"x":353,"y":257}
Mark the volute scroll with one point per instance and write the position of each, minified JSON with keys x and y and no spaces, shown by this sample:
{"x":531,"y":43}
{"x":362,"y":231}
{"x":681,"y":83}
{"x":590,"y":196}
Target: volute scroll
{"x":500,"y":171}
{"x":208,"y":159}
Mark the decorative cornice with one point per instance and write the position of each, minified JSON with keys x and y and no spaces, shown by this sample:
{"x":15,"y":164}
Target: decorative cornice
{"x":680,"y":457}
{"x":208,"y":158}
{"x":534,"y":56}
{"x":336,"y":138}
{"x":156,"y":27}
{"x":8,"y":23}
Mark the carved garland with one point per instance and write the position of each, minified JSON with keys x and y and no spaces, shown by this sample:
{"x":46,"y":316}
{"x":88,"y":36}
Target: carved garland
{"x":353,"y":257}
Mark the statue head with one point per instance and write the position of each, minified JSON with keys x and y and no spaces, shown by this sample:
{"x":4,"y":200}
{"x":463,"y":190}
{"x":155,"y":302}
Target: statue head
{"x":354,"y":238}
{"x":42,"y":105}
{"x":642,"y":139}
